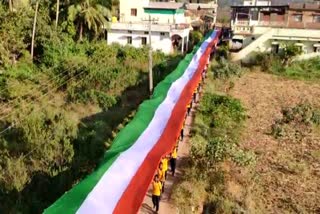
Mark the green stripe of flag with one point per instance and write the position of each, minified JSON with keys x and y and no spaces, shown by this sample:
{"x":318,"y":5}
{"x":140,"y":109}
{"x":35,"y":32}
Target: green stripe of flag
{"x":71,"y":201}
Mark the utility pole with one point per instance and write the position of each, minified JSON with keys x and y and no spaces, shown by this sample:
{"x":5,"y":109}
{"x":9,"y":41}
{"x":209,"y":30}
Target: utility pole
{"x":149,"y":20}
{"x":34,"y":28}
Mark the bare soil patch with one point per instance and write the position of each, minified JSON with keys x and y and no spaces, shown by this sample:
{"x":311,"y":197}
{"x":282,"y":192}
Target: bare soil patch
{"x":286,"y":177}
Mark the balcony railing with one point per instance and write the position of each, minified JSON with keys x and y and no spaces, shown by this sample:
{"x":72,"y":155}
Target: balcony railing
{"x":242,"y":22}
{"x":144,"y":26}
{"x":244,"y":30}
{"x":272,"y":23}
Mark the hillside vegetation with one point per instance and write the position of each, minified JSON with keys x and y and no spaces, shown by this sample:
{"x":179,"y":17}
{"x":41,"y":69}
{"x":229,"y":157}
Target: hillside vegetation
{"x":61,"y":107}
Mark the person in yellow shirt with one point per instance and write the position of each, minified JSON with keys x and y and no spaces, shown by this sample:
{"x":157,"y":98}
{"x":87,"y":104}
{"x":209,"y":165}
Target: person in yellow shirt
{"x":162,"y":175}
{"x":173,"y":160}
{"x":156,"y":192}
{"x":165,"y":166}
{"x":189,"y":108}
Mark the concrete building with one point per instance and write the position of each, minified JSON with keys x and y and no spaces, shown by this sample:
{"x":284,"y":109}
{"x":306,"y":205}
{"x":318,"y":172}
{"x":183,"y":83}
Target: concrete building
{"x":169,"y":30}
{"x":202,"y":11}
{"x":261,"y":25}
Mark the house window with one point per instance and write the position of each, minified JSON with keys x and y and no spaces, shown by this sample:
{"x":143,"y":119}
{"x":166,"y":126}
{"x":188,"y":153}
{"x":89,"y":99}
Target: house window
{"x":129,"y":40}
{"x":146,"y":33}
{"x":134,"y":12}
{"x":143,"y":40}
{"x":162,"y":34}
{"x":297,"y":17}
{"x":316,"y":18}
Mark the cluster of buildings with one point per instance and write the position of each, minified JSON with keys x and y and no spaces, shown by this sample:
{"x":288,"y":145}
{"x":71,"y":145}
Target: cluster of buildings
{"x":169,"y":22}
{"x":264,"y":25}
{"x":256,"y":25}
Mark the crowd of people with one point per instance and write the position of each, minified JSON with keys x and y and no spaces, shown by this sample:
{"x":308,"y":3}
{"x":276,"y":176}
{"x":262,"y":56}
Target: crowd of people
{"x":158,"y":184}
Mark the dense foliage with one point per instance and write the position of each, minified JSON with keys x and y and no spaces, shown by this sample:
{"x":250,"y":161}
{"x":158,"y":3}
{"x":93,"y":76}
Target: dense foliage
{"x":60,"y":110}
{"x":224,"y":69}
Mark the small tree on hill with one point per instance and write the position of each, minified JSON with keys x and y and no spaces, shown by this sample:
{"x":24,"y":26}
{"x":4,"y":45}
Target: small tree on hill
{"x":290,"y":51}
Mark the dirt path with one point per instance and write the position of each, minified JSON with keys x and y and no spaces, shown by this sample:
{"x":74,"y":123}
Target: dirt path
{"x":166,"y":205}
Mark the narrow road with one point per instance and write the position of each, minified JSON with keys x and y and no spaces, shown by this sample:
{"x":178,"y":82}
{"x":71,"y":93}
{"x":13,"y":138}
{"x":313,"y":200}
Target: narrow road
{"x":166,"y":205}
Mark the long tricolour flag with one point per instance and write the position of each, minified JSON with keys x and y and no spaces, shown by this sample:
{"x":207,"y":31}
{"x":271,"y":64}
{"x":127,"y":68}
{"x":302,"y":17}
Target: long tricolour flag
{"x":121,"y":181}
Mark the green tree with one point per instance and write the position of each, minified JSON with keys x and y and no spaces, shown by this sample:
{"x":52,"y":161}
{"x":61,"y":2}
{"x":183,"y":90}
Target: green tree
{"x":290,"y":51}
{"x":90,"y":14}
{"x":15,"y":34}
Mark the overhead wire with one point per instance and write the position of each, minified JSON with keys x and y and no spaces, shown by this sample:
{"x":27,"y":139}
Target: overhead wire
{"x":50,"y":81}
{"x":39,"y":98}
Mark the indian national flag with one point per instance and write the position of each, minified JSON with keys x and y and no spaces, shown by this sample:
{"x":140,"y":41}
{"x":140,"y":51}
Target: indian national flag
{"x":122,"y":179}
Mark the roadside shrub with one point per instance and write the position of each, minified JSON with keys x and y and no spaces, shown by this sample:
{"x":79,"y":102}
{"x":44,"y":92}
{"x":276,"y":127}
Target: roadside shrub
{"x":225,"y":69}
{"x":189,"y":195}
{"x":316,"y":117}
{"x":295,"y":121}
{"x":222,"y":52}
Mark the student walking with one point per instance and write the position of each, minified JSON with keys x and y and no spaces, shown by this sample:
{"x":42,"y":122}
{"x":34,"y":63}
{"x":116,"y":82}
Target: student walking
{"x":173,"y":160}
{"x":182,"y":129}
{"x":156,"y":192}
{"x":189,"y":108}
{"x":165,"y":166}
{"x":181,"y":133}
{"x":195,"y":95}
{"x":162,"y":175}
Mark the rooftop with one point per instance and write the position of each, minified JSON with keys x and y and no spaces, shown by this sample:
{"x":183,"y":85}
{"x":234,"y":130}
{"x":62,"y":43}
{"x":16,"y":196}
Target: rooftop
{"x":195,"y":6}
{"x":275,"y":3}
{"x":304,"y":6}
{"x":165,"y":5}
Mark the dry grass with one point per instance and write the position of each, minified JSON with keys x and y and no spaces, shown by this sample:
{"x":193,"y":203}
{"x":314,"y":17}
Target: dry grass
{"x":286,"y":178}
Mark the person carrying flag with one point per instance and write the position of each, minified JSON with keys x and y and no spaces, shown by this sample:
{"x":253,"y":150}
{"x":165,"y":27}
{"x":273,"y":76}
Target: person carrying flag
{"x":173,"y":160}
{"x":189,"y":106}
{"x":156,"y":192}
{"x":165,"y":166}
{"x":195,"y":95}
{"x":162,"y":175}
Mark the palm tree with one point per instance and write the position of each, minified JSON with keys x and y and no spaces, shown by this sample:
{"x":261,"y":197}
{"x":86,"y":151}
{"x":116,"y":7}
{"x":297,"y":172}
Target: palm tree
{"x":89,"y":13}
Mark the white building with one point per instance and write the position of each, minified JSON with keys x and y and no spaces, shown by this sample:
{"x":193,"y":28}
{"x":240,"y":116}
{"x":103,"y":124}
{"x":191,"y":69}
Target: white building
{"x":202,"y":11}
{"x":264,"y":26}
{"x":169,"y":28}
